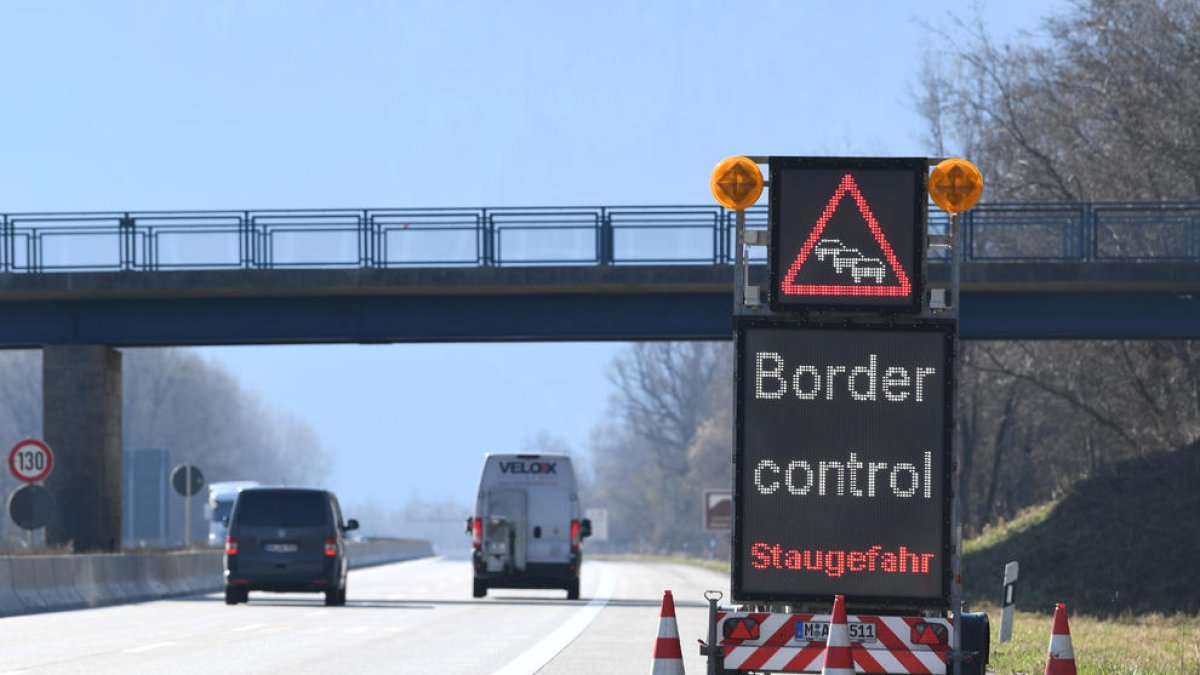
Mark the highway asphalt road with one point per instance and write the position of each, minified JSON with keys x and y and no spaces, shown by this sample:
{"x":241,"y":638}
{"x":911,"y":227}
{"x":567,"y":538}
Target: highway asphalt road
{"x":412,"y":617}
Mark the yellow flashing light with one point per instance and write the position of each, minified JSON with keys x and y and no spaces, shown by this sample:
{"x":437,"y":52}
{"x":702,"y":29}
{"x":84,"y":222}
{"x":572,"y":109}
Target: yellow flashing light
{"x":736,"y":183}
{"x":955,"y":185}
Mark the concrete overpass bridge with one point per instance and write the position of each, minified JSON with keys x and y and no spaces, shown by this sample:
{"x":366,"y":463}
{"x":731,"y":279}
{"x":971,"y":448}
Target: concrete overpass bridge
{"x":1056,"y":270}
{"x":78,"y":285}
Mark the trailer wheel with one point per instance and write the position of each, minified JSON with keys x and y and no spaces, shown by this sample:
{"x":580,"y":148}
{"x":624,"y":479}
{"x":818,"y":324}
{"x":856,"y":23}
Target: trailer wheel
{"x":479,"y":588}
{"x":977,"y":638}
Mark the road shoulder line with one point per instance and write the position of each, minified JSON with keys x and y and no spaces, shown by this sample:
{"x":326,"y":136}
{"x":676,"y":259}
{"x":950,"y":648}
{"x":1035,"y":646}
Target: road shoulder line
{"x":537,"y":656}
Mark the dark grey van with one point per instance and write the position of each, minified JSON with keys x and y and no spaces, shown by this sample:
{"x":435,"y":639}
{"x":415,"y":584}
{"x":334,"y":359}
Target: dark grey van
{"x":286,"y":540}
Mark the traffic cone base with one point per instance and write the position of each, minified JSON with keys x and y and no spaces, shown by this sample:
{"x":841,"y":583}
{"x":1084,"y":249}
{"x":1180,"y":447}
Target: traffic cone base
{"x":668,"y":654}
{"x":1061,"y":659}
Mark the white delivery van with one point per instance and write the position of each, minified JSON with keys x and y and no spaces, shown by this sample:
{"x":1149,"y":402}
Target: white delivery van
{"x":219,"y":505}
{"x":528,"y":525}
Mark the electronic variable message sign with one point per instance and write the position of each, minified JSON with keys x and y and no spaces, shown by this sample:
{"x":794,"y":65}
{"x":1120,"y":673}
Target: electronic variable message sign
{"x":847,"y":233}
{"x":842,"y":462}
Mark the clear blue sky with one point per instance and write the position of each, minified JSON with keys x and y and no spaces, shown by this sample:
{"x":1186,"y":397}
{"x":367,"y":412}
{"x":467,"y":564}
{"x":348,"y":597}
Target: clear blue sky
{"x":221,"y":104}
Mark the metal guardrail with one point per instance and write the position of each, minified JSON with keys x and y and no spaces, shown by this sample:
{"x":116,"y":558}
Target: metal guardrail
{"x":635,"y":235}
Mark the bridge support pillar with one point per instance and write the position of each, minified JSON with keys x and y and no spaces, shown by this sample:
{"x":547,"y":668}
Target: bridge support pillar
{"x":81,"y":402}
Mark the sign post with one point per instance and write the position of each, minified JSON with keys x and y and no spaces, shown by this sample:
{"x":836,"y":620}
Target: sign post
{"x":30,"y":461}
{"x":187,"y":481}
{"x":1008,"y":600}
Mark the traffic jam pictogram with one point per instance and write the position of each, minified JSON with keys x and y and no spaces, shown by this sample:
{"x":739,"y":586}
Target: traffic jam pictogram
{"x":846,"y":260}
{"x":847,"y":233}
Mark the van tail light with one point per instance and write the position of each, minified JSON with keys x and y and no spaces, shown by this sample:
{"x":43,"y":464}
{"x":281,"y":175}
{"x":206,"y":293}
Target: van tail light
{"x":574,"y":536}
{"x":230,"y":546}
{"x":477,"y":534}
{"x":331,"y":547}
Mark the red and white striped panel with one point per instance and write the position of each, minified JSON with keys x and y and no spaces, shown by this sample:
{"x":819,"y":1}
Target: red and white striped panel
{"x":778,"y":650}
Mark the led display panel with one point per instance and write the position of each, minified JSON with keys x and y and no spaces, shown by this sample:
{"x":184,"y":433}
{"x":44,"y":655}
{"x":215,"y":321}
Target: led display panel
{"x":842,"y":462}
{"x":847,"y":233}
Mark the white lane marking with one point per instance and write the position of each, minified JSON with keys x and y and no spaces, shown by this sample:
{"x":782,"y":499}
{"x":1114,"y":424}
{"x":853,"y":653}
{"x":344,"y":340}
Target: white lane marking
{"x":253,"y":626}
{"x":150,"y":647}
{"x":543,"y":652}
{"x":313,"y":615}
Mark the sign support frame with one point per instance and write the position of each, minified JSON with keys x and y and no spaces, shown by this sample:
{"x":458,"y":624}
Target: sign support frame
{"x":928,"y":303}
{"x":956,"y":598}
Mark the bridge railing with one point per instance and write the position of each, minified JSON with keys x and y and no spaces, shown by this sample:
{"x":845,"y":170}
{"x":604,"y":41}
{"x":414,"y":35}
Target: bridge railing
{"x":608,"y":235}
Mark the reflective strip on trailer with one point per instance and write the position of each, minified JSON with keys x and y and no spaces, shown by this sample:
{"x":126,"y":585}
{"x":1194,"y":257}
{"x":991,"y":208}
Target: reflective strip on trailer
{"x":777,"y":649}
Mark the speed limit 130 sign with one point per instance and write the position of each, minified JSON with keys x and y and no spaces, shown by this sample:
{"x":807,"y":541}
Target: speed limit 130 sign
{"x":31,"y":460}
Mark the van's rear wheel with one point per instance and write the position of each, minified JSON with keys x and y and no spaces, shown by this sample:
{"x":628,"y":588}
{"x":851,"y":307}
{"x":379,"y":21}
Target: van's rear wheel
{"x":335,"y":597}
{"x":234,"y":596}
{"x":479,"y":588}
{"x":573,"y":589}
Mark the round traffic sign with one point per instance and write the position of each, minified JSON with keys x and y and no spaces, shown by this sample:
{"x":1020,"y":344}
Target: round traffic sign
{"x":31,"y":460}
{"x":187,"y":479}
{"x":30,"y":506}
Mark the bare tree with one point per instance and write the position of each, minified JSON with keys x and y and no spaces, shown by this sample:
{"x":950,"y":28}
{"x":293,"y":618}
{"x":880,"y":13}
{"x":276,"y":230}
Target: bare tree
{"x":668,"y":441}
{"x":195,"y":408}
{"x":1103,"y":103}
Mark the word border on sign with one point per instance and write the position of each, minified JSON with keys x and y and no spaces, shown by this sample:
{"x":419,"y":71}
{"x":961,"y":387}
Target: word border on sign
{"x":743,"y":384}
{"x":781,"y":260}
{"x":12,"y":457}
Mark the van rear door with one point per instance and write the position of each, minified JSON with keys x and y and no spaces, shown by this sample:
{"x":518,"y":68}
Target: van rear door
{"x":281,"y":533}
{"x":551,"y":507}
{"x":505,"y":530}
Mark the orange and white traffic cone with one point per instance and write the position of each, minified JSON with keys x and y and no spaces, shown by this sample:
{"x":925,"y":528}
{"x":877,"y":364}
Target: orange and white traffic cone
{"x":837,"y":646}
{"x":1061,"y":660}
{"x":668,"y":654}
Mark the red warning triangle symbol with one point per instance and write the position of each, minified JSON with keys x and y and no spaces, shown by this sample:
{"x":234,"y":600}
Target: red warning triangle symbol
{"x":847,"y":187}
{"x":741,"y":632}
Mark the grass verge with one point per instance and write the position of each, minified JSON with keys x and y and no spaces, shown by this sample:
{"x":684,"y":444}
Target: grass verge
{"x":1149,"y":644}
